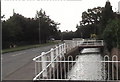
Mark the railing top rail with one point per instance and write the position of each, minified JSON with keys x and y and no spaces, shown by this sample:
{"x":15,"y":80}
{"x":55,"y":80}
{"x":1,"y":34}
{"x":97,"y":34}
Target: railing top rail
{"x":84,"y":40}
{"x":92,"y":40}
{"x":87,"y":42}
{"x":45,"y":53}
{"x":79,"y":61}
{"x":42,"y":55}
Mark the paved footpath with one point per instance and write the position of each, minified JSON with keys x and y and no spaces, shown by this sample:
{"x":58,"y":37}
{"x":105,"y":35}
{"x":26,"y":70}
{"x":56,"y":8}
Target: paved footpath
{"x":19,"y":65}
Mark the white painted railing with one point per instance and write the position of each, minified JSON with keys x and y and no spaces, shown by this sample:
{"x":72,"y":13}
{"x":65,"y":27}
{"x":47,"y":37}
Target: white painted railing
{"x":111,"y":67}
{"x":93,"y":43}
{"x":47,"y":61}
{"x":59,"y":69}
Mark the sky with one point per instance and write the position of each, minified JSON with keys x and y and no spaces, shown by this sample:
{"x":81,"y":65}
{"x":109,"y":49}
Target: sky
{"x":66,"y":12}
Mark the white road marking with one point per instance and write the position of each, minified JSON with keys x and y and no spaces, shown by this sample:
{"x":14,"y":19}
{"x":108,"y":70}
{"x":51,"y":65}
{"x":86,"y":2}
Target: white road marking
{"x":19,"y":54}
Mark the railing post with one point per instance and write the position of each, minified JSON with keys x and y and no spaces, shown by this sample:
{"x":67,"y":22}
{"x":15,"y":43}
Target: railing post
{"x":106,"y":58}
{"x":87,"y":42}
{"x":73,"y":43}
{"x":77,"y":43}
{"x":94,"y":42}
{"x":44,"y":64}
{"x":35,"y":68}
{"x":57,"y":51}
{"x":67,"y":49}
{"x":102,"y":42}
{"x":60,"y":51}
{"x":52,"y":57}
{"x":114,"y":68}
{"x":64,"y":48}
{"x":70,"y":46}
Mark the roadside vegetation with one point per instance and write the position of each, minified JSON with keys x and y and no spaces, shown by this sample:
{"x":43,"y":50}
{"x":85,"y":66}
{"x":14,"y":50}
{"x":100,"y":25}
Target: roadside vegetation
{"x":96,"y":23}
{"x":27,"y":47}
{"x":19,"y":30}
{"x":112,"y":34}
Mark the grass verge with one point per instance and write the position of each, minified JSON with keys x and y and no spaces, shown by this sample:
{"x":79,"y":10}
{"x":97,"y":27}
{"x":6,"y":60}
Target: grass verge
{"x":26,"y":47}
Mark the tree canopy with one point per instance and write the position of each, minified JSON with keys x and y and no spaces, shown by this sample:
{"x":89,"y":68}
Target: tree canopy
{"x":90,"y":22}
{"x":107,"y":14}
{"x":47,"y":27}
{"x":91,"y":16}
{"x":111,"y":34}
{"x":20,"y":30}
{"x":94,"y":21}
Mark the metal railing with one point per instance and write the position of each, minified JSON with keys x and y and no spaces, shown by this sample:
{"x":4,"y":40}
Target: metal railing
{"x":47,"y":62}
{"x":111,"y":67}
{"x":60,"y":68}
{"x":93,"y":42}
{"x":52,"y":55}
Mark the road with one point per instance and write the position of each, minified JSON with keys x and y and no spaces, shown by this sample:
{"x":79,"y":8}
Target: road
{"x":19,"y":65}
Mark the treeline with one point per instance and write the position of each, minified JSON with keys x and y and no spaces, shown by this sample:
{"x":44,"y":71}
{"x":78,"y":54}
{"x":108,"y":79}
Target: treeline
{"x":19,"y":30}
{"x":89,"y":25}
{"x":99,"y":23}
{"x":96,"y":23}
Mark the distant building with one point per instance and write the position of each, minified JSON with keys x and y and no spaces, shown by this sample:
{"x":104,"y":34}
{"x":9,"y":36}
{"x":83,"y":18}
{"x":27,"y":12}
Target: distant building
{"x":119,"y":6}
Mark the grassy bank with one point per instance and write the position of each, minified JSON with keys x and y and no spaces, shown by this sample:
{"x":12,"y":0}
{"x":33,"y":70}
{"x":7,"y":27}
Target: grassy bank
{"x":27,"y":47}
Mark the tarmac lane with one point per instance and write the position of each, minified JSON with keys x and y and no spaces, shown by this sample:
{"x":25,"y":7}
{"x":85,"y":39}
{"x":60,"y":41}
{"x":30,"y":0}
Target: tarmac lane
{"x":19,"y":65}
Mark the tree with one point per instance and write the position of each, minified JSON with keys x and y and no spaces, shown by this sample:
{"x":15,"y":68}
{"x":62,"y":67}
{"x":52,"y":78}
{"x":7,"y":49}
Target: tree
{"x":107,"y":14}
{"x":20,"y":30}
{"x":111,"y":34}
{"x":94,"y":21}
{"x":68,"y":35}
{"x":48,"y":28}
{"x":91,"y":16}
{"x":12,"y":30}
{"x":90,"y":22}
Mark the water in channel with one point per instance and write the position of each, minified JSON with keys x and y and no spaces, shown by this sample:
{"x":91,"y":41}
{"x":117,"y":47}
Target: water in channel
{"x":88,"y":66}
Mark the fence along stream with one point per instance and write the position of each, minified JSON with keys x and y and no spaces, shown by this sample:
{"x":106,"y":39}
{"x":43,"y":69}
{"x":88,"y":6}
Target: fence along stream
{"x":54,"y":65}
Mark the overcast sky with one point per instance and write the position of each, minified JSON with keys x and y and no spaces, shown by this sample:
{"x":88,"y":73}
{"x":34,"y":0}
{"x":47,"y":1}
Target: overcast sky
{"x":66,"y":12}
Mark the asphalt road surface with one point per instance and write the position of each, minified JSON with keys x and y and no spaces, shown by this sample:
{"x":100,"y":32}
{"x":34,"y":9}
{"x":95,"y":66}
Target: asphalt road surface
{"x":19,"y":65}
